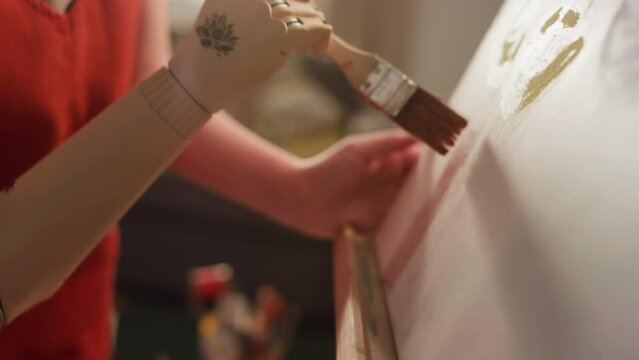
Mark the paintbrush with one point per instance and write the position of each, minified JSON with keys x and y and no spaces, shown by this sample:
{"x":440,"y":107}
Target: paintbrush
{"x":383,"y":86}
{"x":389,"y":90}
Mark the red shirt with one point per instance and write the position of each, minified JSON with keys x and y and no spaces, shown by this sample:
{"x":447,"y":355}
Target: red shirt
{"x":56,"y":73}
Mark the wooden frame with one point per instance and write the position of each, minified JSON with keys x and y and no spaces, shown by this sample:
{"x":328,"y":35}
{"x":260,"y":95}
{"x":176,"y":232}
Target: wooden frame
{"x":363,"y":328}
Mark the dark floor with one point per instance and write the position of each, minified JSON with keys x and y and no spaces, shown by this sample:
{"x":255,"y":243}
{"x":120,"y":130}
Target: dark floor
{"x":177,"y":226}
{"x":150,"y":329}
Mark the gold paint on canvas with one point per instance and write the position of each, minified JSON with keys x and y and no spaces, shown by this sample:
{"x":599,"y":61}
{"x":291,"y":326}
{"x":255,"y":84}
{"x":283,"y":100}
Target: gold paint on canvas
{"x":540,"y":82}
{"x":551,"y":21}
{"x":510,"y":50}
{"x":571,"y":18}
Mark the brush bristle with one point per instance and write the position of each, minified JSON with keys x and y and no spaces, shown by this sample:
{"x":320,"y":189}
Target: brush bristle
{"x":431,"y":120}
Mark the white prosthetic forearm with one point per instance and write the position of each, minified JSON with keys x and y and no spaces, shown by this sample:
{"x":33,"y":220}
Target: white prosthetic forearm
{"x":60,"y":208}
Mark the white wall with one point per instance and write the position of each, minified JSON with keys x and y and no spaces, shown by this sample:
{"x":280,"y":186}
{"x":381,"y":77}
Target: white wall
{"x":431,"y":40}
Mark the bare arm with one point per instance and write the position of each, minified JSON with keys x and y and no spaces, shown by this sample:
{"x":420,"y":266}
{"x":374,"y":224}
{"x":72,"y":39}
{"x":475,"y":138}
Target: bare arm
{"x":229,"y":159}
{"x":154,"y":44}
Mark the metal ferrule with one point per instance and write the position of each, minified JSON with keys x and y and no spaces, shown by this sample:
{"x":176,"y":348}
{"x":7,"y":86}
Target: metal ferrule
{"x":388,"y":88}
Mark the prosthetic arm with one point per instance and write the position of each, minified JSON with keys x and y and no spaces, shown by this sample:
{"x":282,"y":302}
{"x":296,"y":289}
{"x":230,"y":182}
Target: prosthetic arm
{"x":61,"y":207}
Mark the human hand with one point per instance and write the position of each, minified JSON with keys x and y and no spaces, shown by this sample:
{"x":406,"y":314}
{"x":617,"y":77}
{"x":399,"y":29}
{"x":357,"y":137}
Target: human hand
{"x":354,"y":182}
{"x":236,"y":44}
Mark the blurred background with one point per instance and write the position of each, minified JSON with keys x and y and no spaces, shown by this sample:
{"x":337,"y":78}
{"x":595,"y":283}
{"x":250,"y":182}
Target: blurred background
{"x":305,"y":108}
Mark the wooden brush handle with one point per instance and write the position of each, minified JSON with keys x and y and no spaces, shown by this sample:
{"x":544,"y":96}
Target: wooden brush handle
{"x":355,"y":63}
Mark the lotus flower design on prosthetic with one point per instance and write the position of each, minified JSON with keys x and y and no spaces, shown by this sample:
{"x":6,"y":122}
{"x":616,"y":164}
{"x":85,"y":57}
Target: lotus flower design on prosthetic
{"x":217,"y":34}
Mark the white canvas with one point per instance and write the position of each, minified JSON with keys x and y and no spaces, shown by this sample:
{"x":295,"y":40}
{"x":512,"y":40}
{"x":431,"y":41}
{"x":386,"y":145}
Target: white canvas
{"x":523,"y":243}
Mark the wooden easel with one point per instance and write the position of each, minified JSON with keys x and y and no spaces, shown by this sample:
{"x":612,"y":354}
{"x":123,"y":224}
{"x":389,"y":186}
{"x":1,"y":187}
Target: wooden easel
{"x":363,"y":329}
